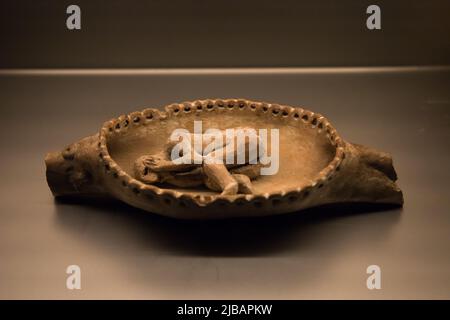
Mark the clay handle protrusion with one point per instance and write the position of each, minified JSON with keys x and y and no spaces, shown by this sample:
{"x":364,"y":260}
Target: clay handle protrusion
{"x":73,"y":171}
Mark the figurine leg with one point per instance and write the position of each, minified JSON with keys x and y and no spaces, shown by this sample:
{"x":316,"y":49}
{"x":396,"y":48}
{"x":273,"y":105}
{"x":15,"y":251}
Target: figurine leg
{"x":244,"y":183}
{"x":218,"y":175}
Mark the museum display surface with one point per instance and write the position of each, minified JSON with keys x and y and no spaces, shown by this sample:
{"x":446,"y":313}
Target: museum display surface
{"x":258,"y":149}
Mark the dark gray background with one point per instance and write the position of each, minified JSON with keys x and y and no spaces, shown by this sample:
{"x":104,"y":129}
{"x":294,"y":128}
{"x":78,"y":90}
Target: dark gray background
{"x":322,"y":253}
{"x":223,"y":33}
{"x":127,"y":253}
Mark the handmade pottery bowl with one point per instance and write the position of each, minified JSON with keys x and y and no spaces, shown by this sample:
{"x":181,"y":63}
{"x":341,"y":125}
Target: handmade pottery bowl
{"x":316,"y":166}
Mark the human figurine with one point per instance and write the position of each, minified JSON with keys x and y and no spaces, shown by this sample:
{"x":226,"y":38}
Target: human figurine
{"x":224,"y":162}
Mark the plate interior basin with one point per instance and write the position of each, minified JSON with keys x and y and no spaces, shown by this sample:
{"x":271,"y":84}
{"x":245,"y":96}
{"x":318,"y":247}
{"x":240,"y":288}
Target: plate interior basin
{"x":304,"y":150}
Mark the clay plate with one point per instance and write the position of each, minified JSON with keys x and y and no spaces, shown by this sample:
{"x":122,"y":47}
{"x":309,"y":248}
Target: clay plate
{"x":317,"y":166}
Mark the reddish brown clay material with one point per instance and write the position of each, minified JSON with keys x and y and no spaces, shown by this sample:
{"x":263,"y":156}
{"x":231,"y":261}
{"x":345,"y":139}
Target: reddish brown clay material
{"x":316,"y":166}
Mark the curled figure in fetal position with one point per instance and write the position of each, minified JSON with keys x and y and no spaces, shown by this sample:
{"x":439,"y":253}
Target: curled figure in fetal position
{"x":224,"y":161}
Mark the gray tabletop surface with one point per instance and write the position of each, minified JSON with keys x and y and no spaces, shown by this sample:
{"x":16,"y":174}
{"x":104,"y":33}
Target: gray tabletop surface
{"x":127,"y":253}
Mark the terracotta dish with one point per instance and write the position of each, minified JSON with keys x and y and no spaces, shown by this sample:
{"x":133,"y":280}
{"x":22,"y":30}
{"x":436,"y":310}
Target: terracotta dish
{"x":316,"y":166}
